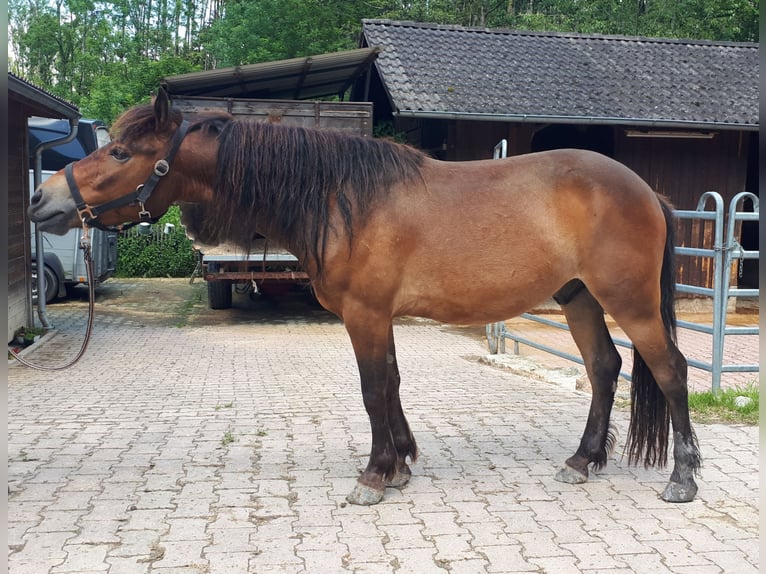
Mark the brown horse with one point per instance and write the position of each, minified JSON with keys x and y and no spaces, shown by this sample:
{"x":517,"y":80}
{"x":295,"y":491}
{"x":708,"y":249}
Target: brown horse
{"x":384,"y":231}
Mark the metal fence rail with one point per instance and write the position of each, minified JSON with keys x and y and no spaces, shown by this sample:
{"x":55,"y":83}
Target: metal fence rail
{"x":725,"y":251}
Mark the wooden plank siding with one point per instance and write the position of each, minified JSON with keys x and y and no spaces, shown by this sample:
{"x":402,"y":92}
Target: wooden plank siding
{"x":353,"y":117}
{"x":18,"y":227}
{"x":683,"y":169}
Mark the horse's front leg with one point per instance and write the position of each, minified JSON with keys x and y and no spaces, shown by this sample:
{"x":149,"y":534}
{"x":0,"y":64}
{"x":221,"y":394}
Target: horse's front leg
{"x":404,"y":442}
{"x":370,"y":340}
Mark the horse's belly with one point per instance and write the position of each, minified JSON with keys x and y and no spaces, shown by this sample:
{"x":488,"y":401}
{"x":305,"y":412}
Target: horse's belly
{"x":481,"y":300}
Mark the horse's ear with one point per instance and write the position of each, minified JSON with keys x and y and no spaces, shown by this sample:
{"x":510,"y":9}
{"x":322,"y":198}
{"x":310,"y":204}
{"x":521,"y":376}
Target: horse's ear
{"x":161,"y":109}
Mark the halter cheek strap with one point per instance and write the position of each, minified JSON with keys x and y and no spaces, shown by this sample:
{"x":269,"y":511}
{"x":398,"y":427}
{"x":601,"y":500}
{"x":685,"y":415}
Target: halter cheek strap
{"x":89,"y":214}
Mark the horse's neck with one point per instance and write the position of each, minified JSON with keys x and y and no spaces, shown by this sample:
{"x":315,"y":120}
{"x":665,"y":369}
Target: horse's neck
{"x":194,"y":217}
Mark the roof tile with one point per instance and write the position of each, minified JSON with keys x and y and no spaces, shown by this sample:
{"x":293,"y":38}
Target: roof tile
{"x":437,"y":69}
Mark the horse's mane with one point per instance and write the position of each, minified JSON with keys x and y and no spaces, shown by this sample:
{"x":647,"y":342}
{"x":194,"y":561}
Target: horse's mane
{"x":292,"y":175}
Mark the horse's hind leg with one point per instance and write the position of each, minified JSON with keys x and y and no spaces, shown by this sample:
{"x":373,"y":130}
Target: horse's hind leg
{"x":602,"y":363}
{"x":658,"y":364}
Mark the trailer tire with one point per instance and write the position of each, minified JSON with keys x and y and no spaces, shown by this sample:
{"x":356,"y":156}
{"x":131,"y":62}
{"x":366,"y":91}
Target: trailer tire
{"x":51,"y":283}
{"x":219,"y":294}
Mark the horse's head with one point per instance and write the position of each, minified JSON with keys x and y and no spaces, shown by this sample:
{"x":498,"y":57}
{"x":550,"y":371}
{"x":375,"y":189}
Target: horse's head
{"x":134,"y":178}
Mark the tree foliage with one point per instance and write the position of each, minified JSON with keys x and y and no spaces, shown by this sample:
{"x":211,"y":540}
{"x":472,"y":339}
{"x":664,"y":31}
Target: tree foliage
{"x":107,"y":56}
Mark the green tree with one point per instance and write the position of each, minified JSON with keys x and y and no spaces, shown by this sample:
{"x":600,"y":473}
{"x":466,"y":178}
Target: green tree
{"x":128,"y":84}
{"x":250,"y":32}
{"x":107,"y":56}
{"x":726,"y":20}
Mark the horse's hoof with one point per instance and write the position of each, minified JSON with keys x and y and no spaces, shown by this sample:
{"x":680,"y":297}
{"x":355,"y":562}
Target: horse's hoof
{"x":401,"y":478}
{"x":364,"y":495}
{"x":676,"y":492}
{"x":570,"y":475}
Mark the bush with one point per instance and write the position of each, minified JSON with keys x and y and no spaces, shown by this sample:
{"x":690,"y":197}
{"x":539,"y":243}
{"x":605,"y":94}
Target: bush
{"x":158,"y":254}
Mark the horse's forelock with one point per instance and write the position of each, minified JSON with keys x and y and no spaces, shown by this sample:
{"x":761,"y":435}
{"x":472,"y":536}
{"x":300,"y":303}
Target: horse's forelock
{"x":138,"y":122}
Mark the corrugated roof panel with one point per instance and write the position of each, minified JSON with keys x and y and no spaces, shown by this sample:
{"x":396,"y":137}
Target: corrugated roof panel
{"x":297,"y":78}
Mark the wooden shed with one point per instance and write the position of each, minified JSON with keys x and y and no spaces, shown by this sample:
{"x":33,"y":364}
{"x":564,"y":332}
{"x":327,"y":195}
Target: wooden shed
{"x":24,"y":100}
{"x":683,"y":114}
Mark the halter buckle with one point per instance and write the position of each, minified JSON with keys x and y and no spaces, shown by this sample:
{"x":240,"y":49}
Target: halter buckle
{"x":161,"y":168}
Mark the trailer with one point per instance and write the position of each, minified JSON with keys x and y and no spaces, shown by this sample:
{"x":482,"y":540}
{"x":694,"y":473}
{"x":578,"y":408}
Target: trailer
{"x":268,"y":267}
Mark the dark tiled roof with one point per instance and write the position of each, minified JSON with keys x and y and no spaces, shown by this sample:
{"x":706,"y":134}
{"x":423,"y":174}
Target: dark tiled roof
{"x":450,"y":71}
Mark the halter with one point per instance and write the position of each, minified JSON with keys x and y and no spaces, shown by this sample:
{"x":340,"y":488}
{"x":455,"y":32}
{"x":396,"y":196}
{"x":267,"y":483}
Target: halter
{"x":89,"y":214}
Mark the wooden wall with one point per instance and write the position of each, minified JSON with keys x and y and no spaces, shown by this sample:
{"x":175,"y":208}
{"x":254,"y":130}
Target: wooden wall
{"x":683,"y":169}
{"x":18,"y":226}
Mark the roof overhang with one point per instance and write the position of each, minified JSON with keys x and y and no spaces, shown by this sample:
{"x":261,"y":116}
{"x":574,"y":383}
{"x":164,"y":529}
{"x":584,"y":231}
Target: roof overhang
{"x":43,"y":103}
{"x":310,"y":77}
{"x":574,"y":120}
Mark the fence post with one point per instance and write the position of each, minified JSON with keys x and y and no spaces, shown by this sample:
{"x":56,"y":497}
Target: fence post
{"x":719,"y":298}
{"x":731,"y":250}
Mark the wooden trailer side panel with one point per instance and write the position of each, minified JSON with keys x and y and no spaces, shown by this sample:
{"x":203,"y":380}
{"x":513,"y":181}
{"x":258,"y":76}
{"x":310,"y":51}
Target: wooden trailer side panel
{"x":352,"y":117}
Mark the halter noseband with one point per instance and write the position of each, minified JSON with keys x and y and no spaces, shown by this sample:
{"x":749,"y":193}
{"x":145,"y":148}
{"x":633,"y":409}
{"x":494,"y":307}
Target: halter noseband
{"x":89,"y":214}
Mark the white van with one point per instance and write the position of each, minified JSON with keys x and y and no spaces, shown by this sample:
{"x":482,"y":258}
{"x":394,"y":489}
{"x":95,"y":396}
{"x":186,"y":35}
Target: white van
{"x":64,"y":262}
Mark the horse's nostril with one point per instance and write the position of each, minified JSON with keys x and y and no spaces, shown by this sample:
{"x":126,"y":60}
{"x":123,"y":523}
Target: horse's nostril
{"x":36,"y":196}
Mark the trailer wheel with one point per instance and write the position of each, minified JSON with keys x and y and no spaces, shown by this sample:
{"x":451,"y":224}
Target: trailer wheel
{"x":51,"y":283}
{"x":219,"y":294}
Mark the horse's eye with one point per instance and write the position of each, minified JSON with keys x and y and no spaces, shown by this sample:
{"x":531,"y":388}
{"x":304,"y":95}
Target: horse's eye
{"x":119,"y":154}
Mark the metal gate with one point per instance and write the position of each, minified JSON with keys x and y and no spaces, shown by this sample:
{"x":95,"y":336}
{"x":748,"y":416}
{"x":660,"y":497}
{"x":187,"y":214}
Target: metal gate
{"x":725,"y":251}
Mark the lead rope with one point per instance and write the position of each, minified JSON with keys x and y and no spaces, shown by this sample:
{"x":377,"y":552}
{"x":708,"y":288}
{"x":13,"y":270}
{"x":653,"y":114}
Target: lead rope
{"x":85,"y":244}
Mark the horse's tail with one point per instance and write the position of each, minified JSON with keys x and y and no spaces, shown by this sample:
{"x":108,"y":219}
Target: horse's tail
{"x":650,"y":418}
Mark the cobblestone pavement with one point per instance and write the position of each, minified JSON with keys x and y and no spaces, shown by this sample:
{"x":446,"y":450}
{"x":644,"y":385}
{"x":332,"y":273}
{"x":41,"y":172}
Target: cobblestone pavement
{"x":190,"y":441}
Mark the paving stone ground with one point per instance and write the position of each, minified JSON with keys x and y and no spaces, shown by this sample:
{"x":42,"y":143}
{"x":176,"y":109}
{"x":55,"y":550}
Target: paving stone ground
{"x":187,"y":441}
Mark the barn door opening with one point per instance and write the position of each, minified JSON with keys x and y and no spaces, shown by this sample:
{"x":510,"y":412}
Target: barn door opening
{"x":749,"y":238}
{"x":559,"y":136}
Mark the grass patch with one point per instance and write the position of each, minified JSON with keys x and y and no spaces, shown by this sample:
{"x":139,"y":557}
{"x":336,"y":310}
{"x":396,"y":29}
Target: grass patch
{"x":228,"y":438}
{"x":709,"y":408}
{"x":188,"y":307}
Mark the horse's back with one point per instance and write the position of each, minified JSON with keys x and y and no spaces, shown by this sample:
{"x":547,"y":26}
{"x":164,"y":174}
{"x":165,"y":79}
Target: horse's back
{"x":503,"y":235}
{"x":486,"y":240}
{"x":555,"y":200}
